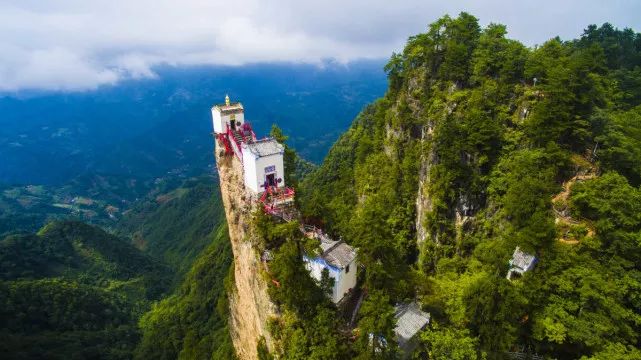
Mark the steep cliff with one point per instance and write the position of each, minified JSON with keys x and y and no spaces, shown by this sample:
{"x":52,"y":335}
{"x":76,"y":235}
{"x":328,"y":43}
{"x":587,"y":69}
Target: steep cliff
{"x":250,"y":305}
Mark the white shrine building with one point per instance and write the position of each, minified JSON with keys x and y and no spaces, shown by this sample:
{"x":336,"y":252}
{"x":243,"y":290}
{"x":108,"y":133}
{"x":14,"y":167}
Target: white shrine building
{"x":262,"y":159}
{"x":520,"y":263}
{"x":264,"y":175}
{"x":227,"y":114}
{"x":263,"y":165}
{"x":339,"y":259}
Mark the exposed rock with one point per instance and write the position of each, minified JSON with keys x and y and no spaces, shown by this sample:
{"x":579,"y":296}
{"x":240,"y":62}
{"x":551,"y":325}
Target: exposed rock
{"x":250,"y":305}
{"x":423,"y":201}
{"x":563,"y":220}
{"x":391,"y":135}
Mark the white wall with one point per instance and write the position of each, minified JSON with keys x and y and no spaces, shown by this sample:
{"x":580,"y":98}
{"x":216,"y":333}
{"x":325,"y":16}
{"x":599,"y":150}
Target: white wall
{"x":347,"y":280}
{"x":240,"y":118}
{"x":342,"y":281}
{"x":254,"y":169}
{"x":249,"y":170}
{"x":220,"y":121}
{"x":219,"y":127}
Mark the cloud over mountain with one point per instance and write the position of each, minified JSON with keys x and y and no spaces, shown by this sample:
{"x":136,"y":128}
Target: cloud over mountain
{"x":76,"y":45}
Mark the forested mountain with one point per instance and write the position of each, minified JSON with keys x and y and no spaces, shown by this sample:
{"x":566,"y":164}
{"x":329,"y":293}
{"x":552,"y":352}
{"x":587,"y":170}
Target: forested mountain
{"x":177,"y":225}
{"x":74,"y":290}
{"x":481,"y":145}
{"x":192,"y":322}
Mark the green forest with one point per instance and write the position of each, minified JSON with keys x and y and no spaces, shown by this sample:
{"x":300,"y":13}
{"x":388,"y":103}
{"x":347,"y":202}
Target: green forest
{"x":502,"y":146}
{"x":177,"y":225}
{"x":74,"y":291}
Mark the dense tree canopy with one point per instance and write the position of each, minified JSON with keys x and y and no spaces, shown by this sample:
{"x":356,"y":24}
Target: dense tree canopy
{"x":482,"y":145}
{"x":74,"y":290}
{"x":192,"y":322}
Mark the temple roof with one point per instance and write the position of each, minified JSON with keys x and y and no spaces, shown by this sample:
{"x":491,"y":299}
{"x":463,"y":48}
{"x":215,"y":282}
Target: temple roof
{"x":336,"y":253}
{"x":521,"y":260}
{"x":410,"y":319}
{"x":232,"y":108}
{"x":264,"y":147}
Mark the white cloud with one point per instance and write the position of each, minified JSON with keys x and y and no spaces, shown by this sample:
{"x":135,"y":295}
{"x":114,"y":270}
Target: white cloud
{"x":52,"y":68}
{"x":77,"y":44}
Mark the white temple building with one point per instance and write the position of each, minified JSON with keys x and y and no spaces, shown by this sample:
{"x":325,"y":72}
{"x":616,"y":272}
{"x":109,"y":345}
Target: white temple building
{"x":520,"y":263}
{"x":227,"y":114}
{"x":264,"y":175}
{"x":340,"y":261}
{"x":262,"y":160}
{"x":263,"y":164}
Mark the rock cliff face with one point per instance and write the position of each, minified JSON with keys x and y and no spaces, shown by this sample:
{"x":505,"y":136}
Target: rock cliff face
{"x":250,"y":306}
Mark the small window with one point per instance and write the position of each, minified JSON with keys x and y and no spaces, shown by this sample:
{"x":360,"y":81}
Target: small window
{"x":347,"y":269}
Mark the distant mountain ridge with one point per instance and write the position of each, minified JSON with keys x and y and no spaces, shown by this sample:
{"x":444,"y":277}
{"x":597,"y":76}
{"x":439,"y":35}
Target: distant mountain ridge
{"x":147,"y":127}
{"x":114,"y":145}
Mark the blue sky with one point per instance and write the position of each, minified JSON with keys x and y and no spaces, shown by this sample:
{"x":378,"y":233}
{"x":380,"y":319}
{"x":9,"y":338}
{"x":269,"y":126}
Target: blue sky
{"x":74,"y":45}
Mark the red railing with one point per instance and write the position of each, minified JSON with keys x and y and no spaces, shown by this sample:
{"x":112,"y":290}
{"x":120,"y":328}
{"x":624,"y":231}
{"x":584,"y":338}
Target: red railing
{"x":275,"y":194}
{"x":235,"y":145}
{"x":275,"y":201}
{"x":225,"y":141}
{"x":248,"y":131}
{"x":245,"y":133}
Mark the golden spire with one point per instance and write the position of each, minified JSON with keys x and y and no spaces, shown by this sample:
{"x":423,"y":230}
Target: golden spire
{"x":226,"y":100}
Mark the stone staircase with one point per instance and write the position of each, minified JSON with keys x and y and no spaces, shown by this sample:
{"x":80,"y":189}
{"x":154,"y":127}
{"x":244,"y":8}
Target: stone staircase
{"x":238,"y":137}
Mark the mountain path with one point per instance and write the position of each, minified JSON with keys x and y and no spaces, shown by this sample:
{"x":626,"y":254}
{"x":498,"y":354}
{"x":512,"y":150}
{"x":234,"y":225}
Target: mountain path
{"x":562,"y":216}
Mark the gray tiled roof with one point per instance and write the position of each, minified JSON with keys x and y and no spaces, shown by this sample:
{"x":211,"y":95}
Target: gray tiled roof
{"x":325,"y":242}
{"x":410,"y":319}
{"x":337,"y":253}
{"x":264,"y":147}
{"x":522,"y":260}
